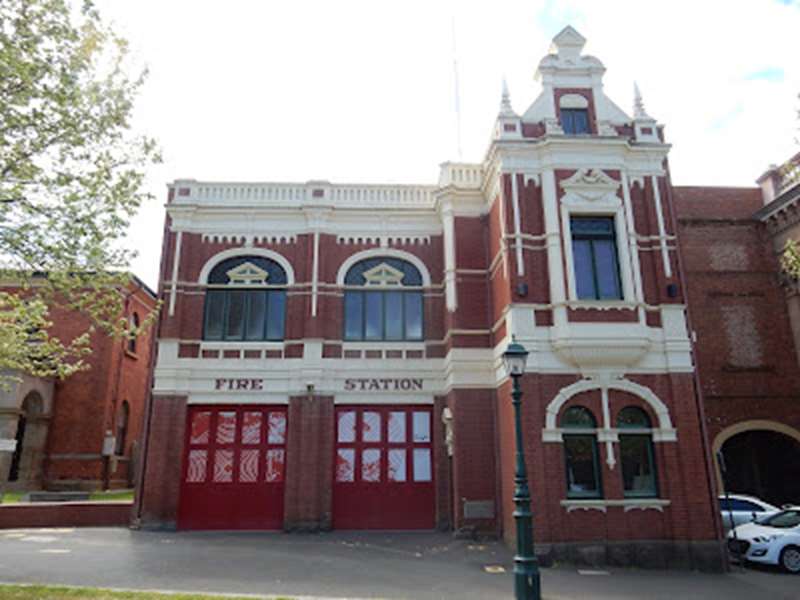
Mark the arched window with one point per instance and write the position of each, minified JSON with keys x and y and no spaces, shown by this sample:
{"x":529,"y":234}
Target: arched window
{"x":122,"y":428}
{"x":134,"y":326}
{"x":636,"y":453}
{"x":383,"y":301}
{"x":580,"y":453}
{"x":245,"y":300}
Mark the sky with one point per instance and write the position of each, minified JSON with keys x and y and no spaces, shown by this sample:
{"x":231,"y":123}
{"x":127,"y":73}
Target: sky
{"x":362,"y":91}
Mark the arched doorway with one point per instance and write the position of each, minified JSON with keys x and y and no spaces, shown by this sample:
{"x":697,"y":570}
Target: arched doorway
{"x":26,"y":461}
{"x":762,"y":460}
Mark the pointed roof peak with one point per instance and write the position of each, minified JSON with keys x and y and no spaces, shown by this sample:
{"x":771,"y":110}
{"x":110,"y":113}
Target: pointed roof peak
{"x":505,"y":102}
{"x":568,"y":43}
{"x":639,"y":111}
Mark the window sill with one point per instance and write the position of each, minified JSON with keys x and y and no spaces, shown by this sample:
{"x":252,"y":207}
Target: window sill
{"x":383,"y":345}
{"x":234,"y":345}
{"x":626,"y":504}
{"x":577,"y":304}
{"x":132,"y":355}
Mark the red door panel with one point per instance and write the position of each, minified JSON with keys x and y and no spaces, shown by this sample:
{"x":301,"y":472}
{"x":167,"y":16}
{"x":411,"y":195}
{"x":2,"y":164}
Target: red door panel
{"x":383,"y":468}
{"x":233,"y":469}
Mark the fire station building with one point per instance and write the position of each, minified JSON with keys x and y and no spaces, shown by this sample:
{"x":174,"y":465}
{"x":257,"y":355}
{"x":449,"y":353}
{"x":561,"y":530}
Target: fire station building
{"x":329,"y":356}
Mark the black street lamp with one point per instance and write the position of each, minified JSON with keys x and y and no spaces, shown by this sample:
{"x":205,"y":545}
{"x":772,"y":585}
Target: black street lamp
{"x":527,"y":584}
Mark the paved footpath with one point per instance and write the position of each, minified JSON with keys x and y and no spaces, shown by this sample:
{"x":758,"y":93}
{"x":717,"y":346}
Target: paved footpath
{"x":424,"y":566}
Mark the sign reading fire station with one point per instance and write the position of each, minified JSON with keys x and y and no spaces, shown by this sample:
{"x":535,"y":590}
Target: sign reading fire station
{"x":384,"y":384}
{"x":238,"y":384}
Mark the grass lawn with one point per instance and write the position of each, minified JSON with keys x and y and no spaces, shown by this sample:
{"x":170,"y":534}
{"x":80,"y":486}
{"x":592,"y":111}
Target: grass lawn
{"x":118,"y":495}
{"x":46,"y":592}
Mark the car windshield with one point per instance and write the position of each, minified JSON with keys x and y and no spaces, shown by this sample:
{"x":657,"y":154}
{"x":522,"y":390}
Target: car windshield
{"x":784,"y":519}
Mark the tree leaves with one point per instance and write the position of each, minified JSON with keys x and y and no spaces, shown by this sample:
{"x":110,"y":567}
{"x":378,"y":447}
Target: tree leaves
{"x":71,"y":175}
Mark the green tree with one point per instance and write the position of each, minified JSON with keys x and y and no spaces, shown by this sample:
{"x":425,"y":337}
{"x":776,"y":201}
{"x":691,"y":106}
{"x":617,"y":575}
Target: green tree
{"x":71,"y":177}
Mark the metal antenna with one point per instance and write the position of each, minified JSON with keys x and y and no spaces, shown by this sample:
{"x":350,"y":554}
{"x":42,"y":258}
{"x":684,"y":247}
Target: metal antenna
{"x":456,"y":90}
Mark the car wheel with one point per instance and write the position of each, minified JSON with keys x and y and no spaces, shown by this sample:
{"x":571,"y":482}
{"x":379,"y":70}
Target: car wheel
{"x":790,"y":559}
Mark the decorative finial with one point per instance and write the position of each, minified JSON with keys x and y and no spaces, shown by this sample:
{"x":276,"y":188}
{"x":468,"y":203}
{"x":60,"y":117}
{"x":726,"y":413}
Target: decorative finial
{"x":505,"y":102}
{"x":638,"y":104}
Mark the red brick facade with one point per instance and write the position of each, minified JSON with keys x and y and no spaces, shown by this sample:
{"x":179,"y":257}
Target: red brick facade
{"x":494,"y":247}
{"x":67,"y":433}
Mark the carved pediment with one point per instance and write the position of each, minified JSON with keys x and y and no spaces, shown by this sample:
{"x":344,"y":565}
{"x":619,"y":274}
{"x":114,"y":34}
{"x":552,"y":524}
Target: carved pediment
{"x":247,"y":274}
{"x":383,"y":274}
{"x":591,"y":185}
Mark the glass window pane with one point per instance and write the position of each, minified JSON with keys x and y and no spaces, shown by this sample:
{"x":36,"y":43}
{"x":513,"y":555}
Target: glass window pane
{"x":371,"y":427}
{"x":633,"y":417}
{"x":276,"y":428}
{"x":256,"y":315}
{"x":251,"y":428}
{"x":248,"y":466}
{"x":605,"y":256}
{"x":581,"y":121}
{"x":374,"y":315}
{"x":347,"y":427}
{"x":201,"y":423}
{"x":234,"y":327}
{"x":638,"y":474}
{"x":579,"y":417}
{"x":345,"y":464}
{"x":397,"y":427}
{"x":371,"y":465}
{"x":277,"y":315}
{"x":215,"y":308}
{"x":397,"y":465}
{"x":196,"y":470}
{"x":394,"y":315}
{"x":413,"y":315}
{"x":422,"y":464}
{"x":584,"y":276}
{"x":422,"y":427}
{"x":276,"y":463}
{"x":226,"y":427}
{"x":581,"y":459}
{"x":353,"y":315}
{"x":223,"y":466}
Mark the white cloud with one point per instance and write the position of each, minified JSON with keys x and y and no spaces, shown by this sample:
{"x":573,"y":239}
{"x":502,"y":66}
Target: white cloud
{"x":363,"y":91}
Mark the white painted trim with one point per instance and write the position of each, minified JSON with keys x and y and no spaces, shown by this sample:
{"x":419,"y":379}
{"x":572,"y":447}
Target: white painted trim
{"x":315,"y":275}
{"x":633,"y":251}
{"x":245,"y":251}
{"x":379,"y":252}
{"x":555,"y":264}
{"x":517,"y":225}
{"x":627,"y":504}
{"x":175,"y":264}
{"x":623,"y":385}
{"x":662,"y":234}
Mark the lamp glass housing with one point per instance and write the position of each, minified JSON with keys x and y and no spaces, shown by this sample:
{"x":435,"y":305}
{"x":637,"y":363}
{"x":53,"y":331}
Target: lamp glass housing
{"x":515,"y":358}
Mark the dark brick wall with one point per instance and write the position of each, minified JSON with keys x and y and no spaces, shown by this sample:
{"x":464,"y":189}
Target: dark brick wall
{"x":162,"y":470}
{"x":745,"y":349}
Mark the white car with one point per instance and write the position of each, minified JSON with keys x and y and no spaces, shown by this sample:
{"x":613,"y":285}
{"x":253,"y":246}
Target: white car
{"x":774,"y":540}
{"x":743,"y":509}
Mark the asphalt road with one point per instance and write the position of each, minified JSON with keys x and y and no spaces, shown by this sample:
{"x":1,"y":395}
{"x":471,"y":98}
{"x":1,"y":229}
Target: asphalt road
{"x":423,"y":566}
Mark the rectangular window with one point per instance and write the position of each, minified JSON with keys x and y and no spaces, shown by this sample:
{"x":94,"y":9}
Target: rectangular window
{"x":583,"y":473}
{"x":638,"y":468}
{"x":373,"y":329}
{"x":575,"y":120}
{"x":275,"y":315}
{"x":215,"y":314}
{"x":256,"y":311}
{"x":594,"y":252}
{"x":234,"y":324}
{"x":353,"y":315}
{"x":413,"y":302}
{"x":394,"y":315}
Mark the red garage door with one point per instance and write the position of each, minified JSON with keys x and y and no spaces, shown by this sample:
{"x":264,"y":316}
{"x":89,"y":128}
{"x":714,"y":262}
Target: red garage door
{"x":383,"y":468}
{"x":233,"y":468}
